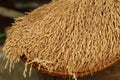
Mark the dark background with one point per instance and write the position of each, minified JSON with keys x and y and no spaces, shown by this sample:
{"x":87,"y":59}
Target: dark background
{"x":17,"y":5}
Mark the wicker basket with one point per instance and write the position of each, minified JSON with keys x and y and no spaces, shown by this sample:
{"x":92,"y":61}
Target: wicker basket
{"x":67,"y":38}
{"x":80,"y":74}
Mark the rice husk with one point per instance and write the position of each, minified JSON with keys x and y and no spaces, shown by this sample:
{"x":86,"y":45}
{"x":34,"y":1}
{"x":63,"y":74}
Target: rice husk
{"x":69,"y":36}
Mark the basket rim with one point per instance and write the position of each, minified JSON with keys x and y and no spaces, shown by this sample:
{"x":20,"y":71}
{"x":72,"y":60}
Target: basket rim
{"x":79,"y":73}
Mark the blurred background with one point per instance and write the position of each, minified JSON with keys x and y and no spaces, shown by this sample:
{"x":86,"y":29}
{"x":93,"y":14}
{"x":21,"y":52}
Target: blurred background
{"x":10,"y":9}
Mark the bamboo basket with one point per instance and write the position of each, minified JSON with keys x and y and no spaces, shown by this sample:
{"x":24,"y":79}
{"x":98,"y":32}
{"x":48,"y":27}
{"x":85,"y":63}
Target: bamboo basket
{"x":67,"y":37}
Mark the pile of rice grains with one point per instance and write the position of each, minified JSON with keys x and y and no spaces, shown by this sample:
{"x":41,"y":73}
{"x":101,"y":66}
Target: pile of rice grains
{"x":67,"y":37}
